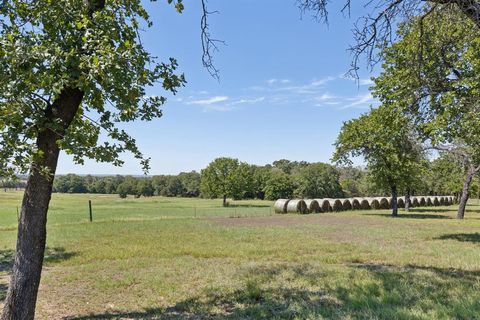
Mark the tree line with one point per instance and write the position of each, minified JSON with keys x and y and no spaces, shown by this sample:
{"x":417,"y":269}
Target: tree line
{"x":230,"y":178}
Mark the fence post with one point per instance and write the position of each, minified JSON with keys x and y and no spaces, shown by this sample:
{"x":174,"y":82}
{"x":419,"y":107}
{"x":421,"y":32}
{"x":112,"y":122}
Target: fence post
{"x":90,"y":209}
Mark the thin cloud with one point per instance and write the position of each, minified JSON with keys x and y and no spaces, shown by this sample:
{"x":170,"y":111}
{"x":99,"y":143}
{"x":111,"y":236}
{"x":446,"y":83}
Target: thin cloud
{"x":360,"y":101}
{"x":366,"y":82}
{"x":276,"y":81}
{"x":248,"y":101}
{"x":209,"y":101}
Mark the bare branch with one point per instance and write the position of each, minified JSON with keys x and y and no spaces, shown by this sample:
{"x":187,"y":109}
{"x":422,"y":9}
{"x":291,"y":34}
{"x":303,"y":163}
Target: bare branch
{"x":209,"y":45}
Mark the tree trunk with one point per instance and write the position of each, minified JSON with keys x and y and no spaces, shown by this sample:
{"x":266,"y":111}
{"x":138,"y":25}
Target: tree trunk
{"x":464,"y":197}
{"x":394,"y":201}
{"x":407,"y":201}
{"x":31,"y":238}
{"x":224,"y":200}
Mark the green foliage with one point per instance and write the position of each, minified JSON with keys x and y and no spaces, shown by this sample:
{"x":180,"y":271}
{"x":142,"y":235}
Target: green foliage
{"x":432,"y":74}
{"x":288,"y":166}
{"x":386,"y":140}
{"x":70,"y":183}
{"x":446,"y":174}
{"x":318,"y":180}
{"x":219,"y":178}
{"x":279,"y":185}
{"x":46,"y":50}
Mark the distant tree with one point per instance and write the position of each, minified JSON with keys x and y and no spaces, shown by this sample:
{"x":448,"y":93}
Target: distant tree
{"x":122,"y":190}
{"x":446,"y":175}
{"x":318,"y":180}
{"x":127,"y":187}
{"x":260,"y":178}
{"x":386,"y":140}
{"x":244,"y":186}
{"x":173,"y":187}
{"x":279,"y":185}
{"x":144,"y":188}
{"x":288,"y":166}
{"x":70,"y":183}
{"x":159,"y":183}
{"x":100,"y":186}
{"x":190,"y":183}
{"x":218,"y":178}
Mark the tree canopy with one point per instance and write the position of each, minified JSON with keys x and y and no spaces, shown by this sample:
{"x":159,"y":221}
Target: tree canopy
{"x":386,"y":140}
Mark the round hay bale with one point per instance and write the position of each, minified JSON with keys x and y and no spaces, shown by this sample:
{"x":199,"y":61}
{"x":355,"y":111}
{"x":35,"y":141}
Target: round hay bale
{"x":422,"y":201}
{"x":312,"y":206}
{"x":374,"y":203}
{"x":436,"y":201}
{"x":336,"y":205}
{"x":346,"y":204}
{"x":297,"y":206}
{"x":383,"y":203}
{"x":442,"y":201}
{"x":452,"y":200}
{"x":280,"y":205}
{"x":355,"y":203}
{"x":414,"y":202}
{"x":429,"y":201}
{"x":400,"y":202}
{"x":324,"y":205}
{"x":365,"y":204}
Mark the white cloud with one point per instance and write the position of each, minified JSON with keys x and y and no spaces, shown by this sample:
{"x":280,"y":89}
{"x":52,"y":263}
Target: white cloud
{"x":248,"y":101}
{"x":366,"y":82}
{"x":209,"y":101}
{"x":275,"y":81}
{"x":325,"y":97}
{"x":360,"y":101}
{"x":321,"y":82}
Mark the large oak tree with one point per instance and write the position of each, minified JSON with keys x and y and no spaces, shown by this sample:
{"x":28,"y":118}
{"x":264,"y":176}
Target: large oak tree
{"x":68,"y":69}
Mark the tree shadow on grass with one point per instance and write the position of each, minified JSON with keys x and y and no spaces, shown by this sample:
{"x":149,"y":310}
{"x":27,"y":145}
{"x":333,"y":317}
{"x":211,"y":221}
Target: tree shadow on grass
{"x":402,"y":215}
{"x":52,"y":255}
{"x":246,"y":205}
{"x":362,"y":291}
{"x":469,"y":209}
{"x":463,"y":237}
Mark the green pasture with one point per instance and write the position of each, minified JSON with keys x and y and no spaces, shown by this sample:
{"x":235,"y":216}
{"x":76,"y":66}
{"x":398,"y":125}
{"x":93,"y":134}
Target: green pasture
{"x":159,"y":259}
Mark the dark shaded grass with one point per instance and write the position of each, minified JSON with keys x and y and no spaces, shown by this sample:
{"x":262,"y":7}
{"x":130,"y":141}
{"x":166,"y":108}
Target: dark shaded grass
{"x":463,"y":237}
{"x":391,"y":292}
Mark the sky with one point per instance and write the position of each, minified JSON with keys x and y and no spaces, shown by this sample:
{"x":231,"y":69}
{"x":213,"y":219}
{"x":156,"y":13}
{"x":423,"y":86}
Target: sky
{"x":282,"y":92}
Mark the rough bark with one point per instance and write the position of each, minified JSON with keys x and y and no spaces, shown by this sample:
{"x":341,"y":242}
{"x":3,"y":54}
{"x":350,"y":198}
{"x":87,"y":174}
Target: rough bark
{"x":224,"y":200}
{"x":407,"y":201}
{"x":465,"y":193}
{"x":31,"y":238}
{"x":394,"y":201}
{"x":25,"y":279}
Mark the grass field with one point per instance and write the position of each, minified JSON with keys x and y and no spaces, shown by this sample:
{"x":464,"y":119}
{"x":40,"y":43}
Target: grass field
{"x":165,"y":258}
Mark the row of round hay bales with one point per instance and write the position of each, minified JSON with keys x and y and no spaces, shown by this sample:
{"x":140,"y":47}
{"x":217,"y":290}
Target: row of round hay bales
{"x":335,"y":205}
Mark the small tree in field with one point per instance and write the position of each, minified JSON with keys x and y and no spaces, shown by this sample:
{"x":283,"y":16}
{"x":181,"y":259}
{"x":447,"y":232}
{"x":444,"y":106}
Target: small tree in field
{"x":68,"y":69}
{"x":219,"y":178}
{"x":384,"y":137}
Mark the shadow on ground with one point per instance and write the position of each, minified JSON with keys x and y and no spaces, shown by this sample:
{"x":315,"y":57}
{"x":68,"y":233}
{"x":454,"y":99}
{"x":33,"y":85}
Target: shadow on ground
{"x":363,"y":291}
{"x":463,"y":237}
{"x":246,"y":205}
{"x":52,"y":255}
{"x":410,"y":215}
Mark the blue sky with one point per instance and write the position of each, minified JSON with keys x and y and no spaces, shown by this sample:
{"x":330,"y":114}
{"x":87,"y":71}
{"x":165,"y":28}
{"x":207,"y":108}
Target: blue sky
{"x":282,"y":91}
